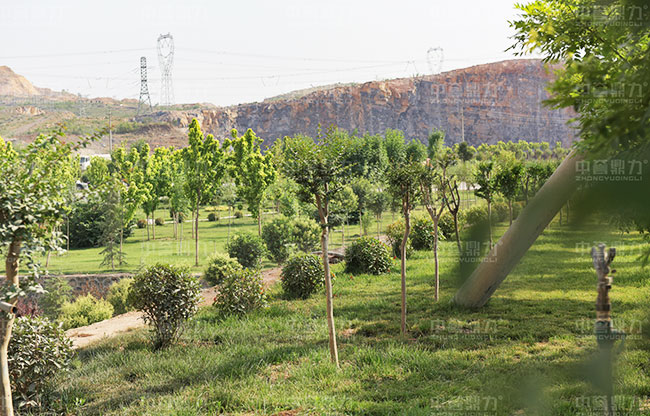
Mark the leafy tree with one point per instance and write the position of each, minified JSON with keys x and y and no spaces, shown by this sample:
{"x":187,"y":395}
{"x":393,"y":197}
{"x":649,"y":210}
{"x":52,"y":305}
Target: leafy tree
{"x":253,"y":172}
{"x":97,"y":172}
{"x":378,"y":202}
{"x":508,"y":181}
{"x":158,"y":175}
{"x":436,"y":143}
{"x":344,"y":203}
{"x":318,"y":170}
{"x":464,"y":152}
{"x":485,"y":179}
{"x":416,"y":151}
{"x":111,"y":226}
{"x":204,"y":161}
{"x":395,"y":146}
{"x":362,"y":189}
{"x":34,"y":181}
{"x":403,"y":183}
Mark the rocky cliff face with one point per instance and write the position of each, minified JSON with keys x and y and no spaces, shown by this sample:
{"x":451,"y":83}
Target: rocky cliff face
{"x":483,"y":104}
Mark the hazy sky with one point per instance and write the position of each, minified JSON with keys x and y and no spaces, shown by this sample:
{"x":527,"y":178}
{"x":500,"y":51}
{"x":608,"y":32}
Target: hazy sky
{"x":229,"y":52}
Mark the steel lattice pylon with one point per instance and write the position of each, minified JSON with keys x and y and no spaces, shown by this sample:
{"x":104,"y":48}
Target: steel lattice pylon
{"x":435,"y":57}
{"x":144,"y":99}
{"x":166,"y":60}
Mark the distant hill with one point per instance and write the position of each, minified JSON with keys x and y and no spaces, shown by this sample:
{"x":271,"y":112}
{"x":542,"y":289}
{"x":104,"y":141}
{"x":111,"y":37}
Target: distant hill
{"x":484,"y":103}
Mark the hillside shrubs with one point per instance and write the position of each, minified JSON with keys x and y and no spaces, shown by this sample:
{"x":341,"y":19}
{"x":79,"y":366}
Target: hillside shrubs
{"x":240,"y":293}
{"x":302,"y":275}
{"x":118,"y":296}
{"x":220,"y":266}
{"x":85,"y":310}
{"x":248,"y":249}
{"x":168,"y":296}
{"x":38,"y":352}
{"x":367,"y":255}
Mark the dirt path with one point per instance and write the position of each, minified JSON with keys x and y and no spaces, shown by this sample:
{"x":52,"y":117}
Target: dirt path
{"x":86,"y":335}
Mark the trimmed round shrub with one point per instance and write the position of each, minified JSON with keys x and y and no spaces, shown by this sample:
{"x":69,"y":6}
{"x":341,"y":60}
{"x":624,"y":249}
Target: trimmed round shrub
{"x":367,"y":255}
{"x":302,"y":275}
{"x":118,"y":296}
{"x":306,"y":234}
{"x":38,"y":352}
{"x":239,"y":214}
{"x":278,"y":236}
{"x":160,"y":222}
{"x":476,"y":215}
{"x":212,"y":217}
{"x":422,"y":235}
{"x":395,"y":234}
{"x":248,"y":249}
{"x":446,"y":226}
{"x":168,"y":297}
{"x":219,"y":267}
{"x":500,"y":212}
{"x":57,"y":292}
{"x":141,"y":223}
{"x":240,"y":293}
{"x":85,"y":310}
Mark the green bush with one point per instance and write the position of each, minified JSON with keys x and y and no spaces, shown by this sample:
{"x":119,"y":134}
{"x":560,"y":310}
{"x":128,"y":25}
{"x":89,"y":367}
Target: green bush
{"x":446,"y":225}
{"x":141,"y":223}
{"x":85,"y":310}
{"x":278,"y":236}
{"x":476,"y":215}
{"x":212,"y":217}
{"x":302,"y":275}
{"x":395,"y":234}
{"x":500,"y":212}
{"x":58,"y":291}
{"x":248,"y":249}
{"x":168,"y":296}
{"x":239,"y":214}
{"x":240,"y":293}
{"x":118,"y":296}
{"x":38,"y":352}
{"x":283,"y":236}
{"x":160,"y":222}
{"x":422,"y":234}
{"x":367,"y":255}
{"x":306,"y":234}
{"x":85,"y":221}
{"x":219,"y":267}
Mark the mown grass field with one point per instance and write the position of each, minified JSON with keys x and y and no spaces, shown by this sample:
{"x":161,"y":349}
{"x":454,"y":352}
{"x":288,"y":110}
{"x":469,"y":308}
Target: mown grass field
{"x":213,"y":237}
{"x":528,"y":351}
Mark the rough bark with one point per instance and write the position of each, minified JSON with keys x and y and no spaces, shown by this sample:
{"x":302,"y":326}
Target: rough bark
{"x":516,"y":241}
{"x":11,"y":269}
{"x":323,"y":209}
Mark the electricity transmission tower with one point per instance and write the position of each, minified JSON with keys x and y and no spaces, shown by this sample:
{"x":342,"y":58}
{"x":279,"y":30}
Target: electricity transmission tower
{"x":435,"y":57}
{"x":145,"y":99}
{"x":165,"y":60}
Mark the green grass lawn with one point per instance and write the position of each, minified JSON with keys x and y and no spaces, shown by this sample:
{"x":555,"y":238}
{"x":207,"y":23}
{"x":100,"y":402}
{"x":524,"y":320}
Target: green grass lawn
{"x":528,"y":351}
{"x":213,"y":237}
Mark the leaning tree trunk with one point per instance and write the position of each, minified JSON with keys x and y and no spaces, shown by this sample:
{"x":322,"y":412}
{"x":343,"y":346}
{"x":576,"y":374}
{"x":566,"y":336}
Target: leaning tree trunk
{"x":457,"y":234}
{"x":11,"y":268}
{"x":324,"y":240}
{"x":407,"y":231}
{"x":516,"y":241}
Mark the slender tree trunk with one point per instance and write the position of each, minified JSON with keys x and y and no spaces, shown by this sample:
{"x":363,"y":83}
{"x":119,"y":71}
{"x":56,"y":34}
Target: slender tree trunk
{"x":229,"y":222}
{"x":457,"y":234}
{"x":11,"y":269}
{"x":378,"y":225}
{"x":435,"y":258}
{"x":193,"y":217}
{"x":148,"y":227}
{"x":360,"y":224}
{"x":510,"y":210}
{"x":324,"y":239}
{"x":153,"y":226}
{"x":259,"y":221}
{"x":180,"y":240}
{"x":196,"y":232}
{"x":489,"y":209}
{"x":343,"y":235}
{"x":407,"y":231}
{"x":67,"y":231}
{"x":47,"y":259}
